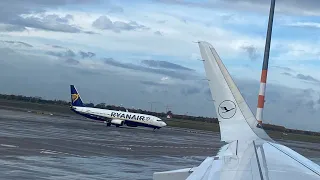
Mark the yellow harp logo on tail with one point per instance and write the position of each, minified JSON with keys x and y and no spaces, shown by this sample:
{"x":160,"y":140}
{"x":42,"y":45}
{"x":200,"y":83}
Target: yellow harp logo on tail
{"x":74,"y":97}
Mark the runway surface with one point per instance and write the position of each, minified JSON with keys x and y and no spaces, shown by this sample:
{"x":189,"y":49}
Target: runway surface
{"x":36,"y":146}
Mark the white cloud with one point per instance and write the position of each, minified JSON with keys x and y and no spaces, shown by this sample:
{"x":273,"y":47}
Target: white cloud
{"x":165,"y":78}
{"x":175,"y":34}
{"x":299,"y":51}
{"x":305,"y":24}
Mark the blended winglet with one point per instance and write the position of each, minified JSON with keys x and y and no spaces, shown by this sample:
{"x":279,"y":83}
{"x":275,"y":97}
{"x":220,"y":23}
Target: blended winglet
{"x":236,"y":120}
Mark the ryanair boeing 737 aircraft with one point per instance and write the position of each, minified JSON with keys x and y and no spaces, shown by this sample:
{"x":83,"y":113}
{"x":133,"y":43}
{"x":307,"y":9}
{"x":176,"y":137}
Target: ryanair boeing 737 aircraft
{"x":117,"y":118}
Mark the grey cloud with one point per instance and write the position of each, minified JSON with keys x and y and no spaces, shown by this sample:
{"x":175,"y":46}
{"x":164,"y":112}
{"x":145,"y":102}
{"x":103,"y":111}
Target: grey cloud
{"x":152,"y":83}
{"x":90,"y":32}
{"x":252,"y":52}
{"x":284,"y":68}
{"x":48,"y":3}
{"x":86,"y":54}
{"x":318,"y":101}
{"x":69,"y":17}
{"x":183,"y":20}
{"x":54,"y":17}
{"x":88,"y":72}
{"x":306,"y":99}
{"x":227,"y":17}
{"x":284,"y":106}
{"x":283,"y":6}
{"x":273,"y":97}
{"x":158,"y":33}
{"x":110,"y":7}
{"x":307,"y":78}
{"x":164,"y":64}
{"x":58,"y":47}
{"x":287,"y":74}
{"x":60,"y":77}
{"x":18,"y":7}
{"x":18,"y":43}
{"x":11,"y":28}
{"x":190,"y":90}
{"x":49,"y":23}
{"x":308,"y":92}
{"x":113,"y":62}
{"x":116,"y":9}
{"x":289,"y":107}
{"x":11,"y":12}
{"x":72,"y":61}
{"x":297,"y":4}
{"x":162,"y":21}
{"x":104,"y":23}
{"x":180,"y":74}
{"x":310,"y":104}
{"x":68,"y":53}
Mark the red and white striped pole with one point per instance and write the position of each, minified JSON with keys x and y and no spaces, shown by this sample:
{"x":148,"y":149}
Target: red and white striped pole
{"x":263,"y":80}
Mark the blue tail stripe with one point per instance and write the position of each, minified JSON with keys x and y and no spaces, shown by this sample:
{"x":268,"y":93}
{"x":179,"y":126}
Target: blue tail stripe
{"x":75,"y":97}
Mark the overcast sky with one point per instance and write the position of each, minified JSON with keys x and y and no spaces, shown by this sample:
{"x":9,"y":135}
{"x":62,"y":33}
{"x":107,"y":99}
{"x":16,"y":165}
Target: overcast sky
{"x":136,"y":52}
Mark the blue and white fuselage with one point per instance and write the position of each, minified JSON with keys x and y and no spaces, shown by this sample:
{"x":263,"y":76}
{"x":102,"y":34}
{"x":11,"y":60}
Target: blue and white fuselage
{"x":113,"y":117}
{"x":120,"y":118}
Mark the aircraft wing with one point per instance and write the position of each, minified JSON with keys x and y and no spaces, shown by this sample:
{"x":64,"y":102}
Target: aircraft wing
{"x":250,"y":153}
{"x":259,"y":161}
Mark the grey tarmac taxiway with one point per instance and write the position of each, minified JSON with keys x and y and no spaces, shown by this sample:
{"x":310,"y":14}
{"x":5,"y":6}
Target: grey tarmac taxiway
{"x":36,"y":146}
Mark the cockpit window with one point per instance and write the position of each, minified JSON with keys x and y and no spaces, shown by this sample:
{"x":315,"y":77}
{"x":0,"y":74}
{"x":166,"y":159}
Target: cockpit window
{"x":159,"y":120}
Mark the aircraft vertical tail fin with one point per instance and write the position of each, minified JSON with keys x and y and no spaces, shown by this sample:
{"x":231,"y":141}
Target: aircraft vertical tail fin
{"x":236,"y":120}
{"x":75,"y":97}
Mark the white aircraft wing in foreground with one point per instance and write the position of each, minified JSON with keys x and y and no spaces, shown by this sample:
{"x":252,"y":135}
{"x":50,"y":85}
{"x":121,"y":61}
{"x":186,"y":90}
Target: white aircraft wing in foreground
{"x":250,"y":153}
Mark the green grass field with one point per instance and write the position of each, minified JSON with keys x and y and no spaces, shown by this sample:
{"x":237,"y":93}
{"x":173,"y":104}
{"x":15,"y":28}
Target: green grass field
{"x":193,"y":125}
{"x":20,"y":105}
{"x":213,"y":127}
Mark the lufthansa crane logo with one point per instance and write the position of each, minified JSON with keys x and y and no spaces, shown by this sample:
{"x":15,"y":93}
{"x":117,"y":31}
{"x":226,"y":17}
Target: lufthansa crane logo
{"x":74,"y":97}
{"x":227,"y":109}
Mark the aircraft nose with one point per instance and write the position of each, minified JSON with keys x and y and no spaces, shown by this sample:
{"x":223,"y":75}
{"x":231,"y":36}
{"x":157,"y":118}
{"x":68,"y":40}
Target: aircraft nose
{"x":163,"y":124}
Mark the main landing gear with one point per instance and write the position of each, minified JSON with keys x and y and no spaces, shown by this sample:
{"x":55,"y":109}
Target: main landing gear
{"x":107,"y":123}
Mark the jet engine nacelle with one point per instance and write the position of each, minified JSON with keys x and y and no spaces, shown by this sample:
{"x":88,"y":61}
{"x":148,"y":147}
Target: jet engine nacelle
{"x":117,"y":122}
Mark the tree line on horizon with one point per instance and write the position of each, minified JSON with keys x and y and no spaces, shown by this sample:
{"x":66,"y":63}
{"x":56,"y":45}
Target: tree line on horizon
{"x":40,"y":100}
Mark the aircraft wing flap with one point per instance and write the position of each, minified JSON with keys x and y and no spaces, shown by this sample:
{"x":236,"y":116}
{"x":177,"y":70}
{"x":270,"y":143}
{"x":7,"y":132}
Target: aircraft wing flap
{"x":284,"y":162}
{"x":180,"y":174}
{"x":260,"y":160}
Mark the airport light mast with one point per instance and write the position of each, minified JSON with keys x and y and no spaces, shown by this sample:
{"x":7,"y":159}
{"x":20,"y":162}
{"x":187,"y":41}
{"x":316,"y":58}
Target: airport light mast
{"x":263,"y":80}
